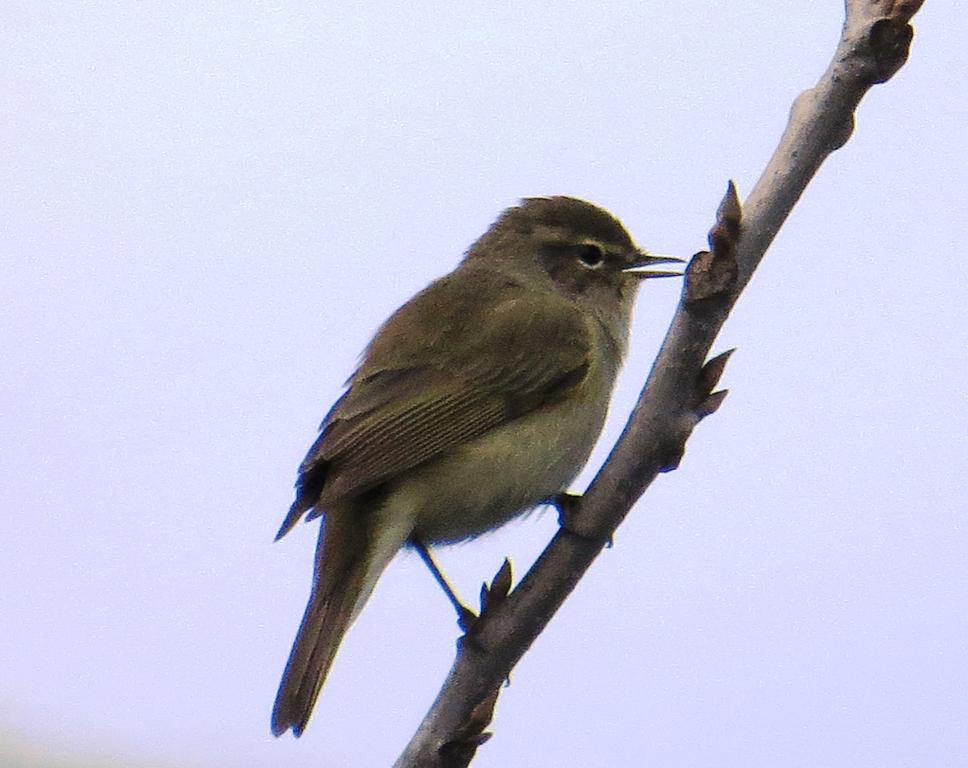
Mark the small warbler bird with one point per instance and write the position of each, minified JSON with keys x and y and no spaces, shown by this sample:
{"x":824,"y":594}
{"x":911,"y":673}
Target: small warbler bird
{"x":478,"y":399}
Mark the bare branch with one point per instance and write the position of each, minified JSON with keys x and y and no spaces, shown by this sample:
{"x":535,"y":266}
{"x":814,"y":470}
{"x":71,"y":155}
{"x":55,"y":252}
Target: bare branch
{"x":679,"y":391}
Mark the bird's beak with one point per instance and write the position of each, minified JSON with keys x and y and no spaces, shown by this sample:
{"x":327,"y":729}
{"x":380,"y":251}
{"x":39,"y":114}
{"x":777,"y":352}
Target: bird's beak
{"x":640,"y":268}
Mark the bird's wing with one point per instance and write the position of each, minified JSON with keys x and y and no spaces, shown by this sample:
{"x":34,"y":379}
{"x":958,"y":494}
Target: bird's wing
{"x":439,"y":376}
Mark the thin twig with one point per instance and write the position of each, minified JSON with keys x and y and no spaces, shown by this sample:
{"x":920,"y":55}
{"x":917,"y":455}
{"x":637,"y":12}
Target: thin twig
{"x":679,"y":390}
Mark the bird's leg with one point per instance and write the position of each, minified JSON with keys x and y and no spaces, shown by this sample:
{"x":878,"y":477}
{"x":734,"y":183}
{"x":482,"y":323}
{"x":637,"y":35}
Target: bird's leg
{"x":569,"y":518}
{"x":465,"y":616}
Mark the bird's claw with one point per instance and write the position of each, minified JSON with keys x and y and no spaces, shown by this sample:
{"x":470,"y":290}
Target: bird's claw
{"x":571,"y":520}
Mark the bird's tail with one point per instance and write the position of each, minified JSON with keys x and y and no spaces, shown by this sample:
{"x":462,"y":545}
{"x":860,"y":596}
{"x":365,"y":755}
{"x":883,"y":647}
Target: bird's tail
{"x":352,"y":552}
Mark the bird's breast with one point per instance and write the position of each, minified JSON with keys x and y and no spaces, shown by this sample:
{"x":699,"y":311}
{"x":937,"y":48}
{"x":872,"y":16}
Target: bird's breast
{"x":483,"y":483}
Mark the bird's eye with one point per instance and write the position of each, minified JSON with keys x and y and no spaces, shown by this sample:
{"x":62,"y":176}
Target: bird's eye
{"x":591,"y":255}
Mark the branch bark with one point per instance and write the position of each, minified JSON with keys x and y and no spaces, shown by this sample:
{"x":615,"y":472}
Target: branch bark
{"x":678,"y":393}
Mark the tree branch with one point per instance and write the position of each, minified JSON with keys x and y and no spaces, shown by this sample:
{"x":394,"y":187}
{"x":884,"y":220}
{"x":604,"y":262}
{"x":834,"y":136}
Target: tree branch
{"x":678,"y":393}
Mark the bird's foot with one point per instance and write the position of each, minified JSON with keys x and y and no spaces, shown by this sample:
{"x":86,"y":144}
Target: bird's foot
{"x":571,"y":520}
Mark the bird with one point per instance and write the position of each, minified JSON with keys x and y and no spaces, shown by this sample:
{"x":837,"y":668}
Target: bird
{"x":477,"y":400}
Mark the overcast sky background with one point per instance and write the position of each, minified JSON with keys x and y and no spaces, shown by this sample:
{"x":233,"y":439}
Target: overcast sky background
{"x":206,"y":211}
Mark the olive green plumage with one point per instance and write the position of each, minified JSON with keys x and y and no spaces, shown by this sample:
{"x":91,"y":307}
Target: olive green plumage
{"x":479,"y":398}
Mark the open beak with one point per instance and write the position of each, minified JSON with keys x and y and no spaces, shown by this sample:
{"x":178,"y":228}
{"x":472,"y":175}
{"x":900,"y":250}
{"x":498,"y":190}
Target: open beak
{"x":643,"y":261}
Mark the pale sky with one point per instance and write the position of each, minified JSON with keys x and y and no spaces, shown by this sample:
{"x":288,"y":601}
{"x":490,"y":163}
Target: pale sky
{"x":206,"y":211}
